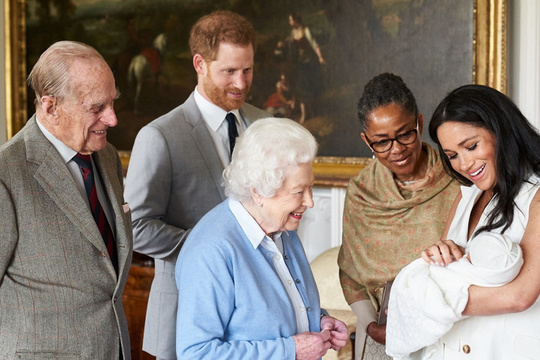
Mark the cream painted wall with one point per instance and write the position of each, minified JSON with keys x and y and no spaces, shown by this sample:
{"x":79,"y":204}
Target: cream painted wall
{"x":524,"y":57}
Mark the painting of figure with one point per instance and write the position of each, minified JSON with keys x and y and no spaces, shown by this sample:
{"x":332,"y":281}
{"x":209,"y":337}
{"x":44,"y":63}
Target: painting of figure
{"x":312,"y":60}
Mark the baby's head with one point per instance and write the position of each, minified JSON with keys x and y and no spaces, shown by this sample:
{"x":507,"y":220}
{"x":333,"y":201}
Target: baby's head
{"x":492,"y":250}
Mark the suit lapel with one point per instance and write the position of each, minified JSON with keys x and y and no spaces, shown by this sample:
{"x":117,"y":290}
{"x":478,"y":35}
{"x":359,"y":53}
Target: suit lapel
{"x":57,"y":182}
{"x":246,"y":116}
{"x":106,"y":166}
{"x":54,"y":177}
{"x":204,"y":142}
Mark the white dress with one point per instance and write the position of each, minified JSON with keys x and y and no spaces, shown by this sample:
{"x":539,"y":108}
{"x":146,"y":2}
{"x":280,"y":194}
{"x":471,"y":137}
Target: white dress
{"x":495,"y":337}
{"x":426,"y":300}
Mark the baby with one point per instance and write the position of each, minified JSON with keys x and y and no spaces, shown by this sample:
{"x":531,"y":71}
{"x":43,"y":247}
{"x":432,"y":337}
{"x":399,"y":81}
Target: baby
{"x":426,"y":300}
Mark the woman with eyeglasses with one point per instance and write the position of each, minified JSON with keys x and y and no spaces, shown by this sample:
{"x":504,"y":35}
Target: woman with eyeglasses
{"x":394,"y":208}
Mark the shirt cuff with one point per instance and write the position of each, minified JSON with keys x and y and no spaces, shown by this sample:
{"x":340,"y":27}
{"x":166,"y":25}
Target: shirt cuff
{"x":324,"y":313}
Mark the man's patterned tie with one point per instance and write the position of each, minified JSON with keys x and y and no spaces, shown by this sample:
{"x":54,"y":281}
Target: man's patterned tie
{"x":85,"y":163}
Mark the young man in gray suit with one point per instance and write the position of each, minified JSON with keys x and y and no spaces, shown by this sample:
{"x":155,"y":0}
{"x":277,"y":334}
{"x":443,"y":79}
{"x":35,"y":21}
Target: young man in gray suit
{"x":174,"y":174}
{"x":64,"y":254}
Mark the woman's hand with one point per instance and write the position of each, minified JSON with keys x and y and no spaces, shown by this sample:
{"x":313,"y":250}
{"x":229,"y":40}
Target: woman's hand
{"x":377,"y":332}
{"x":442,"y":253}
{"x":311,"y":345}
{"x":338,"y":331}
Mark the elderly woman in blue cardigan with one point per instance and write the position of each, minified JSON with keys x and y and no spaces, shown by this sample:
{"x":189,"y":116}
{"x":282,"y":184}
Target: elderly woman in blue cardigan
{"x":246,"y":290}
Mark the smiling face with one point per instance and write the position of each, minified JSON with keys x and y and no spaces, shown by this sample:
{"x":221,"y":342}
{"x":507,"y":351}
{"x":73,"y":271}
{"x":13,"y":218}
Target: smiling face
{"x":285,"y":209}
{"x":226,"y":80}
{"x":82,"y":118}
{"x":407,"y":162}
{"x":471,"y":151}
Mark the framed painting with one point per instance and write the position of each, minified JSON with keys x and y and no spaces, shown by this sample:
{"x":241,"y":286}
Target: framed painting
{"x":316,"y":79}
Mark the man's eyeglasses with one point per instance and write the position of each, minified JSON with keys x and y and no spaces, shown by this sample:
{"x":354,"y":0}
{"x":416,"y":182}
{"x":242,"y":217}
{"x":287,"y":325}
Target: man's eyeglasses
{"x":406,"y":138}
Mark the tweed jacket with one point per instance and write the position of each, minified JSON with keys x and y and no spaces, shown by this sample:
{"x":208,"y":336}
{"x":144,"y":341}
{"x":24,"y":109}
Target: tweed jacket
{"x":60,"y":296}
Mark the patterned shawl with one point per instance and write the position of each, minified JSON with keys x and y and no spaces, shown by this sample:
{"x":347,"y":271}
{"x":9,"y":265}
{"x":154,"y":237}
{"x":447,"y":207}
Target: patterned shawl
{"x":387,"y":224}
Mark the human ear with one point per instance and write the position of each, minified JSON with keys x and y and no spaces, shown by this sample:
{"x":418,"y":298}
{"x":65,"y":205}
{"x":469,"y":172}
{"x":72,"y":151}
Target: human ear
{"x":199,"y":63}
{"x":256,"y":197}
{"x":363,"y":136}
{"x":420,"y":123}
{"x":49,"y":107}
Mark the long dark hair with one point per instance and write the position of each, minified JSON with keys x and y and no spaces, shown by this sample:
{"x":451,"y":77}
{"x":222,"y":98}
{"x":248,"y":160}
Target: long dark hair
{"x":517,"y":143}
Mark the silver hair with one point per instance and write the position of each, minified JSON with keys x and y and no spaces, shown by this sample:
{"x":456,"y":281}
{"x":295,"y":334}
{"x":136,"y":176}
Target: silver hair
{"x":50,"y":75}
{"x":264,"y":156}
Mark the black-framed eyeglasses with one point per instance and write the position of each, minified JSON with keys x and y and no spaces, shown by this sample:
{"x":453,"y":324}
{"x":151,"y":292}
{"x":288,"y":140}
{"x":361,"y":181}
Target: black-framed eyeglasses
{"x":406,"y":138}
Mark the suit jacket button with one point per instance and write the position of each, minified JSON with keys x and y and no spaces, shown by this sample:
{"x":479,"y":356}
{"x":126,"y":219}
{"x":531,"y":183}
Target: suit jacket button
{"x":466,"y":349}
{"x":102,"y":254}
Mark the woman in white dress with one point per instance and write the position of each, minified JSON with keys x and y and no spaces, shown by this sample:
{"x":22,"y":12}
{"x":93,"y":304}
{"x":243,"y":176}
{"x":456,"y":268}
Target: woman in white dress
{"x":490,"y":147}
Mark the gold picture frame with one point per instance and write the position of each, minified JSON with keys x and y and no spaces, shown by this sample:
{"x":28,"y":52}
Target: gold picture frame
{"x":489,"y":68}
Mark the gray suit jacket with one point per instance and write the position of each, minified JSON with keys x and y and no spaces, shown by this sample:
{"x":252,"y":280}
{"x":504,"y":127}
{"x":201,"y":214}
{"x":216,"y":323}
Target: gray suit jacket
{"x":174,"y":178}
{"x":60,"y":296}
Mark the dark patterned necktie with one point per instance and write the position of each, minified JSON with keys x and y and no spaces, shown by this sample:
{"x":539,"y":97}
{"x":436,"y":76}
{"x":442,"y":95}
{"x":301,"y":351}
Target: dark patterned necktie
{"x":233,"y":131}
{"x":85,"y":163}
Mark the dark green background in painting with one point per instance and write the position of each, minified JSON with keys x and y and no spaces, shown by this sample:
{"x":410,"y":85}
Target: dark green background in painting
{"x":427,"y":42}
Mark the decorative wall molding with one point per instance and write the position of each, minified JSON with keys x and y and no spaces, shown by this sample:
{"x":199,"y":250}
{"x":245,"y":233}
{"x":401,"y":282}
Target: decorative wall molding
{"x":525,"y":58}
{"x":320,"y":229}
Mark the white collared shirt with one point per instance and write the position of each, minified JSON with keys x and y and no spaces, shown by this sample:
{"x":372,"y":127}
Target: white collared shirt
{"x":67,"y":154}
{"x":214,"y":118}
{"x":257,"y":237}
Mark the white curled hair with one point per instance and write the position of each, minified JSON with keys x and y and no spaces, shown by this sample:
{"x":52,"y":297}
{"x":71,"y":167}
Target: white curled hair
{"x":264,"y":155}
